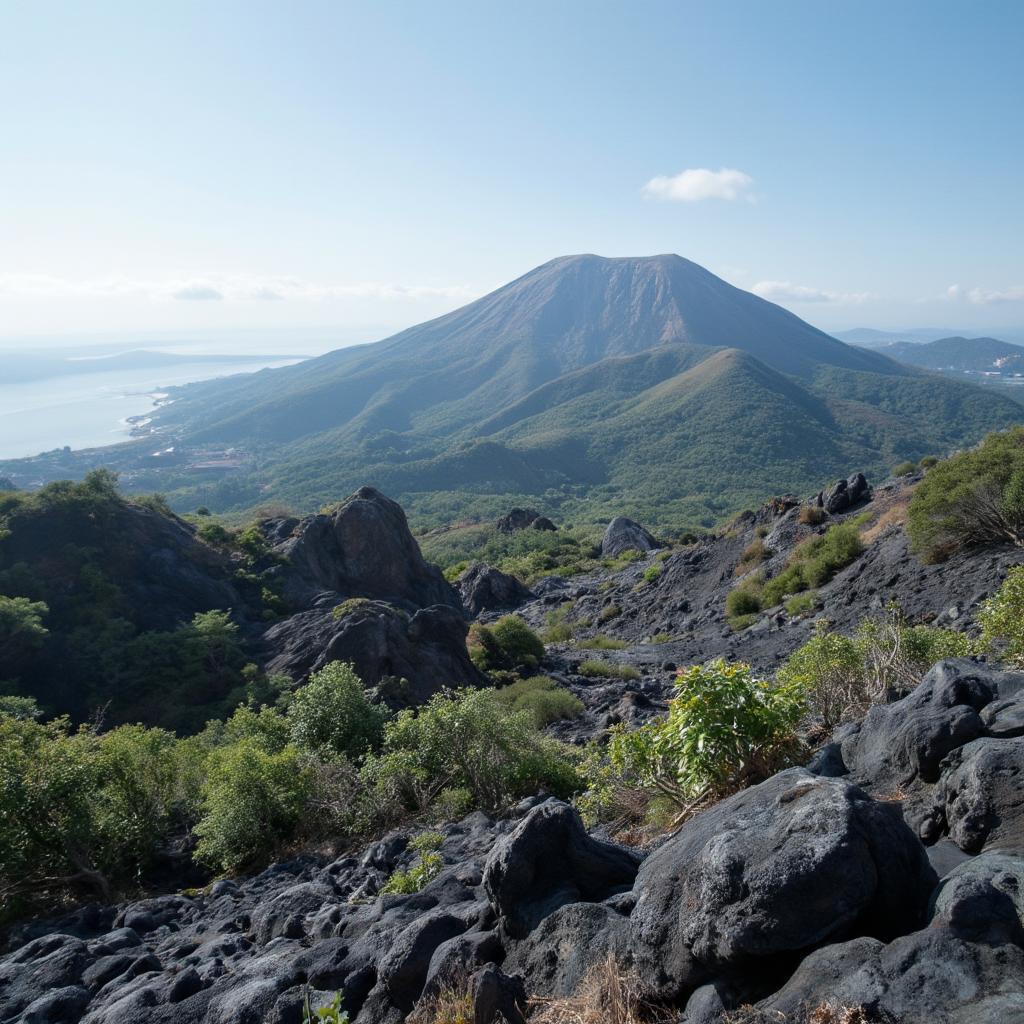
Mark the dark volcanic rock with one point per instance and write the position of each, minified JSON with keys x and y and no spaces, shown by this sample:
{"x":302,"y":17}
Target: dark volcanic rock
{"x":845,"y":494}
{"x":428,"y":648}
{"x":521,"y":519}
{"x":929,"y":977}
{"x":774,"y":870}
{"x":363,"y":548}
{"x":548,"y":861}
{"x":982,"y":899}
{"x":623,"y":535}
{"x":484,"y":588}
{"x":980,"y":796}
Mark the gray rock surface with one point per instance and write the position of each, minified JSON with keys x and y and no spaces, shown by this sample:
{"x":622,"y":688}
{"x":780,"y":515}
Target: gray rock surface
{"x":484,"y":588}
{"x":362,"y":548}
{"x":622,"y":535}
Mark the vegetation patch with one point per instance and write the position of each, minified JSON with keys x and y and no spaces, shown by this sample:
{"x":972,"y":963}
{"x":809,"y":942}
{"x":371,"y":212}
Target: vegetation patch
{"x":608,"y":670}
{"x":542,"y":698}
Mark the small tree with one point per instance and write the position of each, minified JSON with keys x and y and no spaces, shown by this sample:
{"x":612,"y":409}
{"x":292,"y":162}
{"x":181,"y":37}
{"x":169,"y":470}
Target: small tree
{"x":330,"y":715}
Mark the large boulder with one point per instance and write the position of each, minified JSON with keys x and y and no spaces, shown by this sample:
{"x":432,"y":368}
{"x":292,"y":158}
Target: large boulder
{"x":902,"y":743}
{"x":982,"y":899}
{"x":929,"y":977}
{"x":523,"y":519}
{"x":624,"y":535}
{"x":773,"y":871}
{"x":384,"y":644}
{"x":361,"y":548}
{"x":484,"y":588}
{"x":845,"y":494}
{"x":547,"y":861}
{"x":980,"y":796}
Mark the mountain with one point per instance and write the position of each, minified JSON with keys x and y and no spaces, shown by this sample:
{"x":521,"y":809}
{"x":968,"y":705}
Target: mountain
{"x":970,"y":355}
{"x":869,"y":337}
{"x":642,"y":386}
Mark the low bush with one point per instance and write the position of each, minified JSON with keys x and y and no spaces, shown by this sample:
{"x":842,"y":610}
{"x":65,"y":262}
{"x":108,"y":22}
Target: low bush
{"x":608,"y":670}
{"x":802,"y":604}
{"x":811,"y":515}
{"x":252,"y":802}
{"x":975,"y":497}
{"x":507,"y":644}
{"x":559,"y":629}
{"x":814,"y":563}
{"x":600,"y":642}
{"x":609,"y":612}
{"x":726,"y":728}
{"x":652,"y":572}
{"x":330,"y":716}
{"x":467,"y":739}
{"x":742,"y":601}
{"x":1002,"y":618}
{"x":542,"y":699}
{"x":844,"y":675}
{"x":904,"y":469}
{"x":753,"y":555}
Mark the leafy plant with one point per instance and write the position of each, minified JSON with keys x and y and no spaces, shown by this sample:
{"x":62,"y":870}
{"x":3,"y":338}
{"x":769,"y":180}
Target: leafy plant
{"x":725,"y":729}
{"x":1002,"y":617}
{"x":330,"y":715}
{"x":507,"y":644}
{"x":332,"y":1013}
{"x":425,"y":868}
{"x":542,"y":698}
{"x":976,"y":497}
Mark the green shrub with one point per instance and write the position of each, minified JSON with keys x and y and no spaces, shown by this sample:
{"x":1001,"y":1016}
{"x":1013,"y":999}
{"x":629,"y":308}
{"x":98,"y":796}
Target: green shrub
{"x":542,"y":699}
{"x":976,"y":497}
{"x":725,"y":728}
{"x":609,"y":612}
{"x":252,"y":802}
{"x":814,"y":563}
{"x":330,"y":715}
{"x":652,"y":572}
{"x":661,"y":638}
{"x":339,"y":611}
{"x":928,"y":462}
{"x":742,"y":601}
{"x":559,"y":629}
{"x":843,"y":676}
{"x":509,"y":643}
{"x":608,"y":670}
{"x":426,"y":867}
{"x":215,"y":534}
{"x":332,"y":1013}
{"x":753,"y":555}
{"x":802,"y":604}
{"x":518,"y":643}
{"x":1002,"y":617}
{"x":904,"y":469}
{"x":21,"y":626}
{"x":467,"y":739}
{"x":602,"y":643}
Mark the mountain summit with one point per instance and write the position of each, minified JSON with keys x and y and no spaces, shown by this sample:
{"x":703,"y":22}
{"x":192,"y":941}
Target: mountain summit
{"x":639,"y":386}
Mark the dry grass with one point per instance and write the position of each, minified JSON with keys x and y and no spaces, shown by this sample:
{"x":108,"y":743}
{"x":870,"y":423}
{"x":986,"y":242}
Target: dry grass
{"x":608,"y":994}
{"x":825,"y":1013}
{"x":894,"y":516}
{"x":453,"y":1004}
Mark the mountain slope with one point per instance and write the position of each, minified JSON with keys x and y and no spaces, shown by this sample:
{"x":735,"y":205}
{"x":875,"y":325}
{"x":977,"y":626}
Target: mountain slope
{"x":983,"y":355}
{"x":588,"y":386}
{"x":446,"y":375}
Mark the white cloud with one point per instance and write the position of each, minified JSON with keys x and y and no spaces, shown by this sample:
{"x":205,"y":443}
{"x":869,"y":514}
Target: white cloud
{"x":198,"y":293}
{"x":982,"y":296}
{"x":215,"y":287}
{"x":786,"y":291}
{"x":698,"y":183}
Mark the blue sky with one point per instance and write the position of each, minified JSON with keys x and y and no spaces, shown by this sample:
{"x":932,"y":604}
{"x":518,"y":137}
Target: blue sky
{"x":363,"y":166}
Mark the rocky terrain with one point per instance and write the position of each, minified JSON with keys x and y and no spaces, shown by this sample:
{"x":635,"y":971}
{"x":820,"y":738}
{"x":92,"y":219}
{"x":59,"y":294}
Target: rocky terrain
{"x":887,"y":876}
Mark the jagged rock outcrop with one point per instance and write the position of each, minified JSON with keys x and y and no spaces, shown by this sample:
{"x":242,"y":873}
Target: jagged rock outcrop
{"x":385,"y":644}
{"x":844,"y":494}
{"x":484,"y":588}
{"x":362,"y":548}
{"x":523,"y":519}
{"x":622,"y":535}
